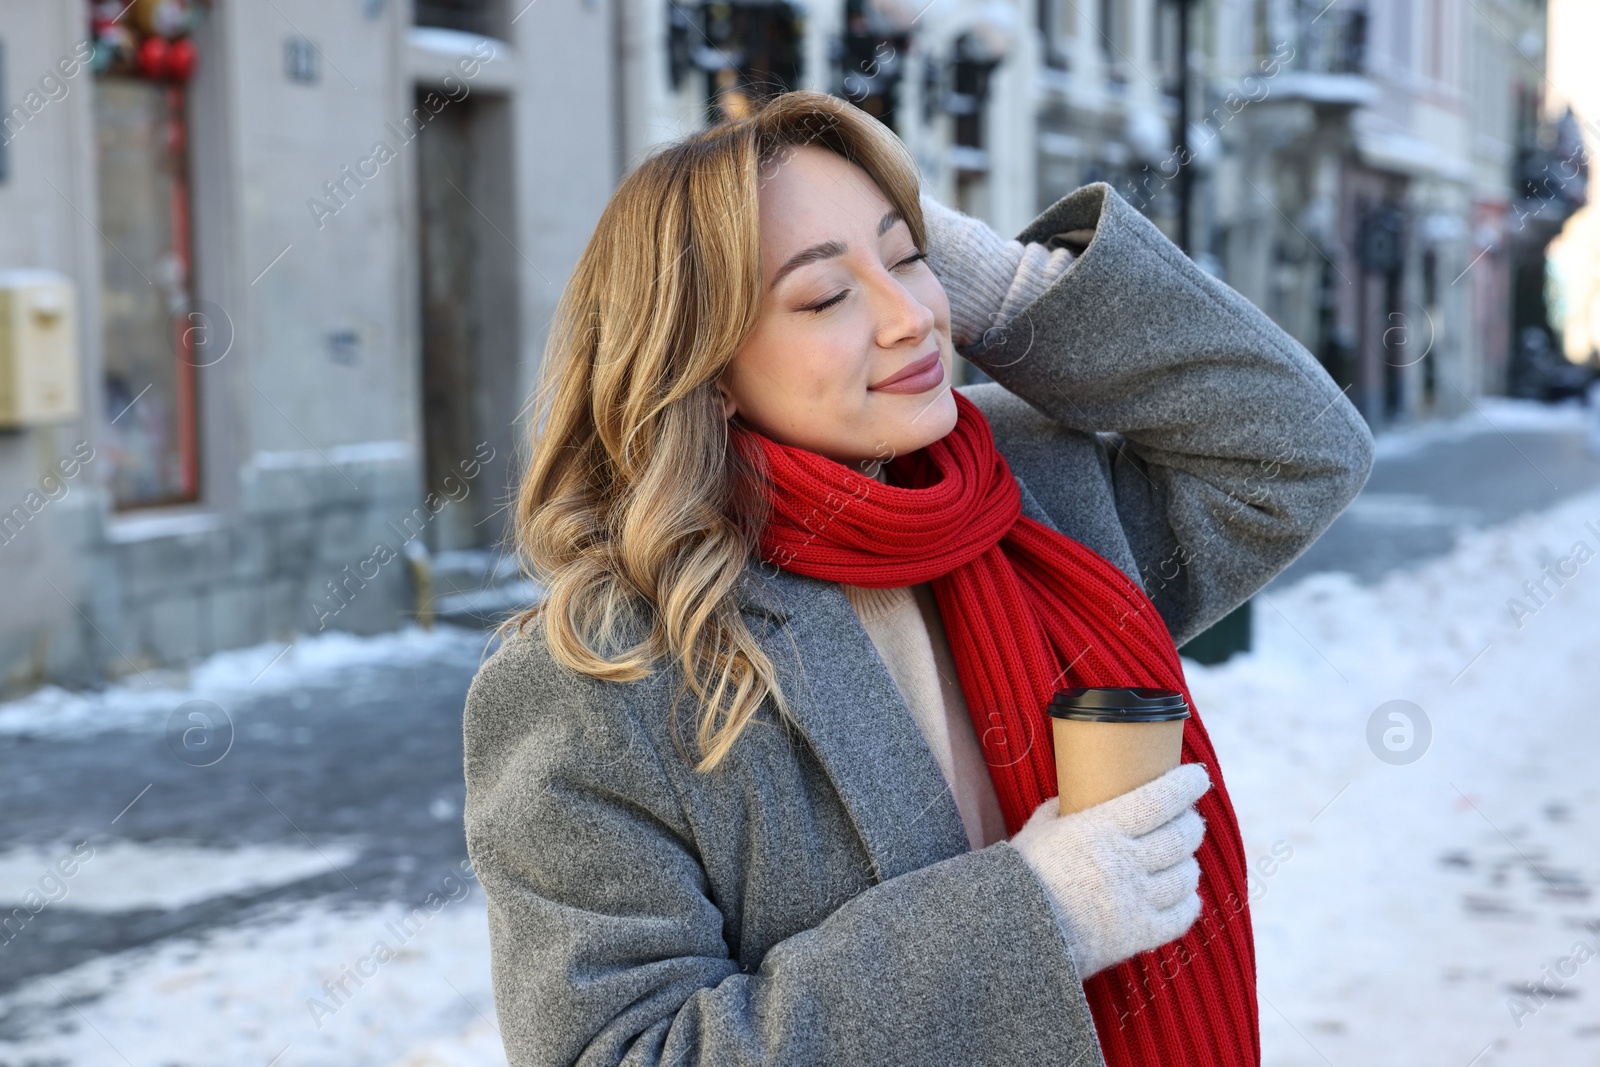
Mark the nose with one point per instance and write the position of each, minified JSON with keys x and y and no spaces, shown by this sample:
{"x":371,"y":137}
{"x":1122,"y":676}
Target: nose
{"x":903,"y":319}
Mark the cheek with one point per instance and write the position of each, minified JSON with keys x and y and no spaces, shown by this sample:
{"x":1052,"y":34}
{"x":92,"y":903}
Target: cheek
{"x":794,"y":360}
{"x":786,"y":365}
{"x":800,"y":378}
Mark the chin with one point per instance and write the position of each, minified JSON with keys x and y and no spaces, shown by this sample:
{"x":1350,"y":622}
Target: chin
{"x":929,"y":425}
{"x":937,"y":418}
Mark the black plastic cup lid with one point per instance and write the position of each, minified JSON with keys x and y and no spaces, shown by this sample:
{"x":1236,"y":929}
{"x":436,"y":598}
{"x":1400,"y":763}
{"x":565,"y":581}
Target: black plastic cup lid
{"x":1106,"y":704}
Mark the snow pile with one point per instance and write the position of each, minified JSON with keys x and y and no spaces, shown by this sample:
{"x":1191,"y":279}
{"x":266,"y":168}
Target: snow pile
{"x":120,"y":875}
{"x":310,"y":660}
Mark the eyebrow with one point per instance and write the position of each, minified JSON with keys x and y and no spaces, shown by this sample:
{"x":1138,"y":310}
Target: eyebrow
{"x":829,"y":249}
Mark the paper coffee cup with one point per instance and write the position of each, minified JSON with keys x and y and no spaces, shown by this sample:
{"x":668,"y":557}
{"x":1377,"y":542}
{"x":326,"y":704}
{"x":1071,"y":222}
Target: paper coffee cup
{"x":1109,"y":741}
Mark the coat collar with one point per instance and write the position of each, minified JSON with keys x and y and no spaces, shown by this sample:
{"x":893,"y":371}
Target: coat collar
{"x":854,"y":718}
{"x":759,"y":591}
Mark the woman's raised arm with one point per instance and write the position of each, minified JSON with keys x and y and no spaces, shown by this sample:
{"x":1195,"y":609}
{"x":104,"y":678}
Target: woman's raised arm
{"x":608,"y":947}
{"x":1228,"y":446}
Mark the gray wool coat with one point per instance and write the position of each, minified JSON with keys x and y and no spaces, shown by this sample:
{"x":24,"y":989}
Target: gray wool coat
{"x":814,"y":900}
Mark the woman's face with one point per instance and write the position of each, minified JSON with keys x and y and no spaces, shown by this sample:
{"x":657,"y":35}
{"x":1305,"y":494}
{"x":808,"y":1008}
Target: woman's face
{"x":809,"y":375}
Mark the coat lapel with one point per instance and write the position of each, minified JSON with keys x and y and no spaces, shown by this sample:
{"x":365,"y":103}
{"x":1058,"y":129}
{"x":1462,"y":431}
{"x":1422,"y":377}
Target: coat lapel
{"x":854,"y":719}
{"x":856,"y":723}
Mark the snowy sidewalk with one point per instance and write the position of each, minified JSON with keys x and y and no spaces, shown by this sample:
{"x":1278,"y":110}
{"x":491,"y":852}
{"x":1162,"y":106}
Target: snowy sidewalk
{"x":1439,"y":911}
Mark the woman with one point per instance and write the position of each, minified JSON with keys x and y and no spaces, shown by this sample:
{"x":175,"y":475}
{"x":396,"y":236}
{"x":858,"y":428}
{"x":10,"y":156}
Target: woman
{"x":751,"y":481}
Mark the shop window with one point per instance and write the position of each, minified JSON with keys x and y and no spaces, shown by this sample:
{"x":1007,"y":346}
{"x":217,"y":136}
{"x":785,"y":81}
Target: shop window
{"x":143,"y":58}
{"x":969,"y":95}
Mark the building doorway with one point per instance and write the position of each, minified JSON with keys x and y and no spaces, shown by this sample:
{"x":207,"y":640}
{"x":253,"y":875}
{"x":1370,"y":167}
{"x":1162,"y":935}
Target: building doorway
{"x":469,"y":301}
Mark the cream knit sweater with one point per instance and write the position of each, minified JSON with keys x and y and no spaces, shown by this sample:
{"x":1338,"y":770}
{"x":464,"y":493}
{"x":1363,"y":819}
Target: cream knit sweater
{"x":905,"y":628}
{"x":999,"y":279}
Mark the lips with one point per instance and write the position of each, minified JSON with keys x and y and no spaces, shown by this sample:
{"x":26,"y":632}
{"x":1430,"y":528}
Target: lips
{"x":909,"y":370}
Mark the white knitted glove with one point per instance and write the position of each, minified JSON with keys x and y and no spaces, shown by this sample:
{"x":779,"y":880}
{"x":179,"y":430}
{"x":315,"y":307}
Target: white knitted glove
{"x":987,"y":278}
{"x":1121,"y":875}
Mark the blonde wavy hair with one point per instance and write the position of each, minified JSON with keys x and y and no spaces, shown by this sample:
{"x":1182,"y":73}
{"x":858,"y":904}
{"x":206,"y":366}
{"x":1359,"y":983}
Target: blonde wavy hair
{"x":638,"y":494}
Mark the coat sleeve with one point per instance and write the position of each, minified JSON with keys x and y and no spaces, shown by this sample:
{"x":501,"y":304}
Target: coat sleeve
{"x":1229,"y":447}
{"x":608,"y":945}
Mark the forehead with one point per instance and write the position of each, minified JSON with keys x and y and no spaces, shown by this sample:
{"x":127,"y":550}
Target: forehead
{"x":816,"y":195}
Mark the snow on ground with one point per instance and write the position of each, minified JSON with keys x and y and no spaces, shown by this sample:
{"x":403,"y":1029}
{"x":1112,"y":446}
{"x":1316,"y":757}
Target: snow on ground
{"x":1422,"y":901}
{"x":1491,"y":414}
{"x":311,"y":659}
{"x":1407,"y":509}
{"x":305,"y":986}
{"x":1427,"y":911}
{"x":122,"y":875}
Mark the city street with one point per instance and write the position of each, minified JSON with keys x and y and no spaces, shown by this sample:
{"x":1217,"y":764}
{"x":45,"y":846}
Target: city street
{"x":285,"y":883}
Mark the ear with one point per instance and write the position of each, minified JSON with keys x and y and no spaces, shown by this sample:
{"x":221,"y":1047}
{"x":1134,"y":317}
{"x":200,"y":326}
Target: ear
{"x":728,"y":406}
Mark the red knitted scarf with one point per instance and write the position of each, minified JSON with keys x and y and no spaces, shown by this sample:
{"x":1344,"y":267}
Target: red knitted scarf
{"x":1029,"y":610}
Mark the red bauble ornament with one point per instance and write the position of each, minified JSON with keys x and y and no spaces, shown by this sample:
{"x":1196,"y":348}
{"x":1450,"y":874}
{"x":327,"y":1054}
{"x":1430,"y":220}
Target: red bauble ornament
{"x":180,"y":59}
{"x":152,"y":57}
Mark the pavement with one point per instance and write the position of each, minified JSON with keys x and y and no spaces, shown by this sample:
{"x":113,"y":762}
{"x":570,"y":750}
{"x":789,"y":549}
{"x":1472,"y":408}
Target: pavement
{"x":1502,"y":460}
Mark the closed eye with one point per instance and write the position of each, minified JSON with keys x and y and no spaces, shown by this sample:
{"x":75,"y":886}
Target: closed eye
{"x":828,"y":303}
{"x":834,"y":299}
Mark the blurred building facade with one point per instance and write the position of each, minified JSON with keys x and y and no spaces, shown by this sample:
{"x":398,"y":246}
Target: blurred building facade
{"x":1364,"y":171}
{"x":315,"y":247}
{"x":1356,"y":170}
{"x":312,"y":247}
